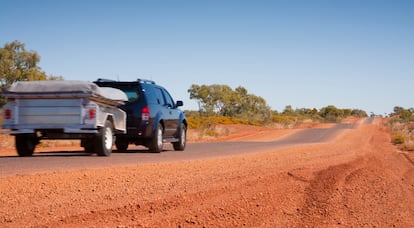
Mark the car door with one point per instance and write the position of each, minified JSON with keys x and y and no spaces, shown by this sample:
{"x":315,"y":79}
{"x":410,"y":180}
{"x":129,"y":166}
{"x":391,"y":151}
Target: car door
{"x":172,"y":114}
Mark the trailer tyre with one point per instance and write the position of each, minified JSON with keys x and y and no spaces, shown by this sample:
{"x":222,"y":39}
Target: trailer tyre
{"x":105,"y":140}
{"x":25,"y":144}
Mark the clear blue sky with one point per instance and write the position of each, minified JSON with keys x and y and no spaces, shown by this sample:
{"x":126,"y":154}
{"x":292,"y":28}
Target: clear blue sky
{"x":347,"y":53}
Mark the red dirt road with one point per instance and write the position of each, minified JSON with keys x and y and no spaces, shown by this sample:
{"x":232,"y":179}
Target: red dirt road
{"x":358,"y":179}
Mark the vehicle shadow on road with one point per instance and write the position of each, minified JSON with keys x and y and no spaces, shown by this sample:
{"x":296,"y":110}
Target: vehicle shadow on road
{"x":140,"y":151}
{"x":80,"y":153}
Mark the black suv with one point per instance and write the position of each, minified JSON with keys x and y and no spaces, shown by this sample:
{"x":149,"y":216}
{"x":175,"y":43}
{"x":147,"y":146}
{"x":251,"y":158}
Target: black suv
{"x":152,"y":116}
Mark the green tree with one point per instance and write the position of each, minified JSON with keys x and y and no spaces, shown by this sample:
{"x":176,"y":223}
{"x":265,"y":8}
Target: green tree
{"x":398,"y":110}
{"x":404,"y":114}
{"x":211,"y":99}
{"x":331,"y":113}
{"x":222,"y":100}
{"x":19,"y":64}
{"x":347,"y":112}
{"x":288,"y":111}
{"x":359,"y":113}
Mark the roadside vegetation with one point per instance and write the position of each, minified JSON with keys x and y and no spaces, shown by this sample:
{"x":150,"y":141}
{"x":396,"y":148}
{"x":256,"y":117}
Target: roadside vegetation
{"x":221,"y":105}
{"x":401,"y":123}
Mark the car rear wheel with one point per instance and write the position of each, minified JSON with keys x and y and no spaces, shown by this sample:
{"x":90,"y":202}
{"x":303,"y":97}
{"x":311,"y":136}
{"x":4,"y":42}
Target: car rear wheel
{"x":156,"y":144}
{"x":182,"y":139}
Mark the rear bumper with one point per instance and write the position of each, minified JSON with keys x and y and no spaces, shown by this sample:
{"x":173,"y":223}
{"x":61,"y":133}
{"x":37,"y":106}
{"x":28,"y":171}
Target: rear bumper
{"x":71,"y":129}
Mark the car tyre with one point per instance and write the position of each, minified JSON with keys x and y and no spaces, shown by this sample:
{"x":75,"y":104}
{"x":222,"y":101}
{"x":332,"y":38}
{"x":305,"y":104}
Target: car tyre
{"x":156,"y":144}
{"x":182,"y":139}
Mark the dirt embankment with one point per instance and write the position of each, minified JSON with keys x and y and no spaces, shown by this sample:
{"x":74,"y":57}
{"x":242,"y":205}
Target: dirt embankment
{"x":359,"y":179}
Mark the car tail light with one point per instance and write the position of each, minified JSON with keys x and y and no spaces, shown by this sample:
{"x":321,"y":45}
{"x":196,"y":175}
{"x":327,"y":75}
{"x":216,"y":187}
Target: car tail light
{"x":7,"y":114}
{"x":92,"y":113}
{"x":145,"y":113}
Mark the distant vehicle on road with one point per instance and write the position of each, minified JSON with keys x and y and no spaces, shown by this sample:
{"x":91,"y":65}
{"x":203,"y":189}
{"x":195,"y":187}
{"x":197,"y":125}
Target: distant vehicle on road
{"x":153,"y":117}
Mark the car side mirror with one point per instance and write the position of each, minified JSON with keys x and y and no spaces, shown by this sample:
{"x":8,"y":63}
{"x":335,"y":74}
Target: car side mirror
{"x":179,"y":103}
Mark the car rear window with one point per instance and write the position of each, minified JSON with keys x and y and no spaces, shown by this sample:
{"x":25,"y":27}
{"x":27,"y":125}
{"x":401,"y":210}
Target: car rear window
{"x":131,"y":94}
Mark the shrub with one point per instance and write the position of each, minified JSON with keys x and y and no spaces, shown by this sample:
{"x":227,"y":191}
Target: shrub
{"x":397,"y":139}
{"x":285,"y":120}
{"x":207,"y":122}
{"x":402,"y":133}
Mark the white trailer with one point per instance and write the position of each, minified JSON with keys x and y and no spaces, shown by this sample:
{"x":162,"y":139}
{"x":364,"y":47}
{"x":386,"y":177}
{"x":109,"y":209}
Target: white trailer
{"x":64,"y":110}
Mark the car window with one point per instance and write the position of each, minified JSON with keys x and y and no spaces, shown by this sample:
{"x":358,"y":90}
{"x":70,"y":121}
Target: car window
{"x":132,"y":95}
{"x":159,"y":96}
{"x":168,"y":99}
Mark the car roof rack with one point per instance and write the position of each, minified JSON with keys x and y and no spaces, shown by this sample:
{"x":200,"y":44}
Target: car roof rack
{"x":146,"y":81}
{"x":105,"y":80}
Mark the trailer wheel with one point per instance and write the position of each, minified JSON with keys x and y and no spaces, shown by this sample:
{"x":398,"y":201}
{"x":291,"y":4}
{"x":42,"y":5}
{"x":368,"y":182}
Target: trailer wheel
{"x":105,"y":140}
{"x":182,"y":139}
{"x":25,"y":144}
{"x":156,"y":143}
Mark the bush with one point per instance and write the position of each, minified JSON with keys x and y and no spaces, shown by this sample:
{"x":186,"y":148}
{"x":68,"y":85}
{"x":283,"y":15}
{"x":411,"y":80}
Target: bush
{"x":207,"y":122}
{"x":284,"y":120}
{"x":402,"y":133}
{"x":397,"y":139}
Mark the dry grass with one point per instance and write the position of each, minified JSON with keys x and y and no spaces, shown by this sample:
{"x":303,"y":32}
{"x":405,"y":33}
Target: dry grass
{"x":402,"y":134}
{"x":6,"y":141}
